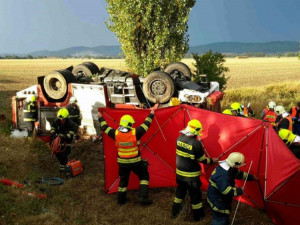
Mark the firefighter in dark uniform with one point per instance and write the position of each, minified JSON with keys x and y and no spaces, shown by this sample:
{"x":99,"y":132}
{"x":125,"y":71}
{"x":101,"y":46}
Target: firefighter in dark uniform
{"x":74,"y":114}
{"x":222,"y":188}
{"x":30,"y":114}
{"x":65,"y":128}
{"x":189,"y":153}
{"x":127,"y":141}
{"x":295,"y":114}
{"x":283,"y":120}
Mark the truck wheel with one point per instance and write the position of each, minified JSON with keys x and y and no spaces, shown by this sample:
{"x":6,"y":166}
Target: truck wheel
{"x":179,"y":70}
{"x":56,"y":83}
{"x":86,"y":69}
{"x":158,"y":87}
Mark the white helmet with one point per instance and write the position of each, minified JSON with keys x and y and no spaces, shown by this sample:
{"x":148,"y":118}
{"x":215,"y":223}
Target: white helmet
{"x":272,"y":105}
{"x":279,"y":109}
{"x":73,"y":100}
{"x":235,"y":159}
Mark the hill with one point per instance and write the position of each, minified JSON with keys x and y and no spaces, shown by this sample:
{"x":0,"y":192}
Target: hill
{"x":223,"y":47}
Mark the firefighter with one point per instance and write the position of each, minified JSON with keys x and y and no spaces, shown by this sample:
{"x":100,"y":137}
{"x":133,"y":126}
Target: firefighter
{"x":30,"y":114}
{"x":235,"y":109}
{"x":295,"y":114}
{"x":291,"y":140}
{"x":268,"y":114}
{"x":222,"y":188}
{"x":283,"y":120}
{"x":127,"y":140}
{"x":64,"y":128}
{"x":189,"y":152}
{"x":74,"y":114}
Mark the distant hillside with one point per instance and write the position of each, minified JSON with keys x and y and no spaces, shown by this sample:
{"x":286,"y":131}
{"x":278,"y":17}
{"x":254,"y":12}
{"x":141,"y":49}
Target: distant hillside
{"x":240,"y":48}
{"x":223,"y":47}
{"x":81,"y":51}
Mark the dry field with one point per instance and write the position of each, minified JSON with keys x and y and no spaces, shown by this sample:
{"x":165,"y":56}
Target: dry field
{"x":82,"y":200}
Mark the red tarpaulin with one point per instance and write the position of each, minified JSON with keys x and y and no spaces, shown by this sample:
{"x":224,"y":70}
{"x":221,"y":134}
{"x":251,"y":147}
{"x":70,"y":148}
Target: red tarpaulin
{"x":273,"y":162}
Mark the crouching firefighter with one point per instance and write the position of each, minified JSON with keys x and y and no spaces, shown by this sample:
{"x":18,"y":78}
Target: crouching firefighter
{"x":127,"y":141}
{"x":189,"y":153}
{"x":222,"y":188}
{"x":62,"y":132}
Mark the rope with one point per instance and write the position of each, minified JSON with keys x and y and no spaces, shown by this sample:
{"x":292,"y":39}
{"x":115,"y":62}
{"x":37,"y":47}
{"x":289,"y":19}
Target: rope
{"x":56,"y":146}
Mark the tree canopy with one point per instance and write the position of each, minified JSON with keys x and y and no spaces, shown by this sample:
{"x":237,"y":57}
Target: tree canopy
{"x":152,"y":33}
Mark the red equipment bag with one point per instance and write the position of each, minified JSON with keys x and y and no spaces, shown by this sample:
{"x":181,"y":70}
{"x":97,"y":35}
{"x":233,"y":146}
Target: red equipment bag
{"x":75,"y":167}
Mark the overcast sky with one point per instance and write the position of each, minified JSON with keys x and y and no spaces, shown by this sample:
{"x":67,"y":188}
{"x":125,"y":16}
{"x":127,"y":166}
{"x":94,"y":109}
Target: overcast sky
{"x":31,"y":25}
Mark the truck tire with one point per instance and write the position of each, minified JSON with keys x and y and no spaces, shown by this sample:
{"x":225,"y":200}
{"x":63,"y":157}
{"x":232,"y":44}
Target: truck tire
{"x":179,"y":70}
{"x":86,"y":69}
{"x":56,"y":83}
{"x":158,"y":87}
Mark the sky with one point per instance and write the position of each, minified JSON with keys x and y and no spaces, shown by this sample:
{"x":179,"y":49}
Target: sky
{"x":32,"y":25}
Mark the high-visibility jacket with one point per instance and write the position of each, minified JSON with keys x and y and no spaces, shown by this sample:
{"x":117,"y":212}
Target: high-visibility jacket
{"x":126,"y":144}
{"x":289,"y":118}
{"x":188,"y":155}
{"x":294,"y":112}
{"x":222,"y":189}
{"x":139,"y":132}
{"x":287,"y":136}
{"x":270,"y":116}
{"x":30,"y":111}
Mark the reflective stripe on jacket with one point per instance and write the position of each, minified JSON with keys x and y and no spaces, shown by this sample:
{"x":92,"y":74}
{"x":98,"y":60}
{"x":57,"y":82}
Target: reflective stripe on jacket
{"x":126,"y":144}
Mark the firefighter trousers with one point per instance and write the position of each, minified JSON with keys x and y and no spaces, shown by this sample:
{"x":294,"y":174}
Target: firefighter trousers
{"x":193,"y":188}
{"x":141,"y":170}
{"x":63,"y":156}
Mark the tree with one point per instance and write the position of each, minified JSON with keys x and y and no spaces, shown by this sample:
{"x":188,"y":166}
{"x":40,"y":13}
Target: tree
{"x":152,"y":33}
{"x":212,"y":65}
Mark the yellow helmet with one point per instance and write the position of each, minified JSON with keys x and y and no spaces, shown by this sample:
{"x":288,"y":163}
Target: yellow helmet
{"x":235,"y":159}
{"x":194,"y":127}
{"x":236,"y":106}
{"x":31,"y":98}
{"x":127,"y":121}
{"x":63,"y":113}
{"x":287,"y":136}
{"x":227,"y":112}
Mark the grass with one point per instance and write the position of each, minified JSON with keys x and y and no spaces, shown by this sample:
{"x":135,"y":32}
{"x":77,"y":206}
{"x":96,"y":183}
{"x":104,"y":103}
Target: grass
{"x":82,"y":200}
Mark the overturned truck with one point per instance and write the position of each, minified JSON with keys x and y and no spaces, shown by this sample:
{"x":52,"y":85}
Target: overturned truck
{"x":104,"y":87}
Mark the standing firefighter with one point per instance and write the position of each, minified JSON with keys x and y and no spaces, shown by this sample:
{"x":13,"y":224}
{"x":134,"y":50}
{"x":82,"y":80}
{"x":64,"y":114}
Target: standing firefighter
{"x":189,"y":153}
{"x":30,"y":114}
{"x":74,"y":114}
{"x":268,"y":114}
{"x":127,"y":140}
{"x":295,"y":114}
{"x":62,"y":132}
{"x":222,"y":188}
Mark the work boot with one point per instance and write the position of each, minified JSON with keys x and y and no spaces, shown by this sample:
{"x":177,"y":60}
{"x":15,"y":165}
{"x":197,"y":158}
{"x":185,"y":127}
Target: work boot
{"x":122,"y":199}
{"x":145,"y":201}
{"x":176,"y":209}
{"x":198,"y":214}
{"x":123,"y":202}
{"x":62,"y":169}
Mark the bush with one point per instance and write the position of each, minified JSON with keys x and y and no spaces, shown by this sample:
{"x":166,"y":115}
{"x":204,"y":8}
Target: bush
{"x":211,"y":64}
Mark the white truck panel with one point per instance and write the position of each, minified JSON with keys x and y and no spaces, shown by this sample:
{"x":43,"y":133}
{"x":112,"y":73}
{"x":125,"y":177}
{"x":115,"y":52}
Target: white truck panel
{"x":90,"y":98}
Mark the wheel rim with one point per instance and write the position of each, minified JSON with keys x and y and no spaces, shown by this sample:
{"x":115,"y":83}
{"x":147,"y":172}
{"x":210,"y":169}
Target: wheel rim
{"x":55,"y":84}
{"x":177,"y":74}
{"x":158,"y":87}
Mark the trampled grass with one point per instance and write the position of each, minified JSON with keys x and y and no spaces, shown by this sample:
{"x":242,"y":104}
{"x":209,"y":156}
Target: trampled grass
{"x":82,"y":200}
